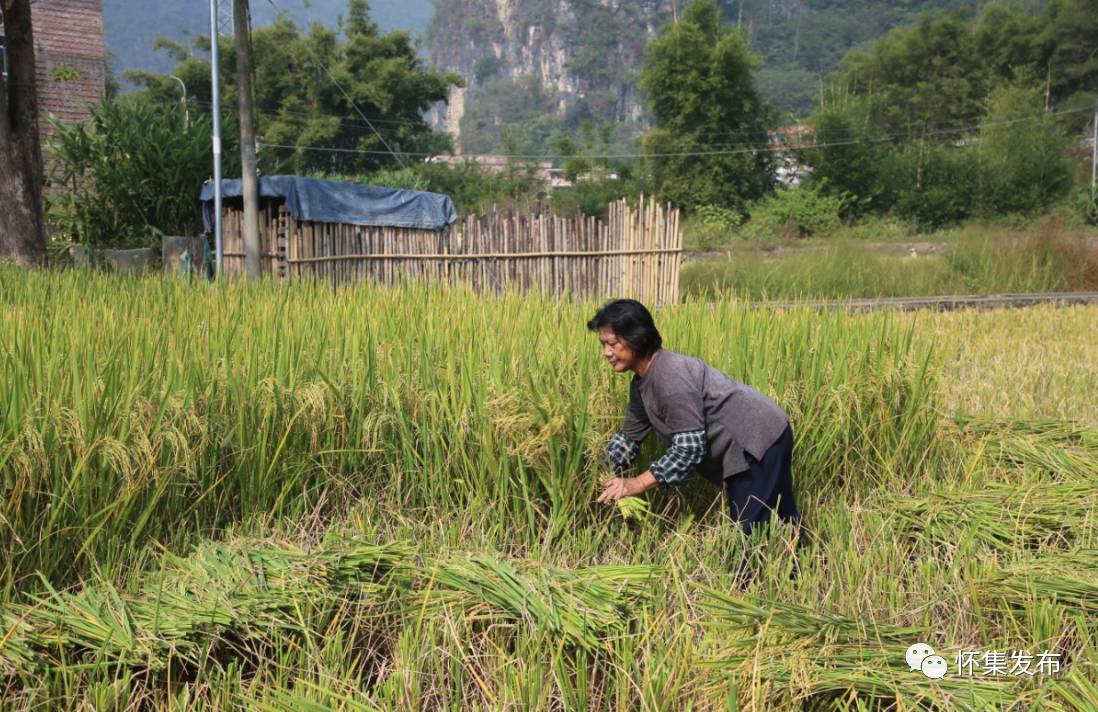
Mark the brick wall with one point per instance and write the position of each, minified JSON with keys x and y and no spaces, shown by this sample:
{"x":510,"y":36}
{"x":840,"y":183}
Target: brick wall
{"x":69,"y":53}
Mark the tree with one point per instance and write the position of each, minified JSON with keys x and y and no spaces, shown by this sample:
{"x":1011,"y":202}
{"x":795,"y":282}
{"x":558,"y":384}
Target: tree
{"x":1070,"y":51}
{"x":242,"y":20}
{"x":311,"y":84}
{"x":936,"y":77}
{"x":929,"y":78}
{"x":853,"y":156}
{"x":22,"y":232}
{"x":697,"y":76}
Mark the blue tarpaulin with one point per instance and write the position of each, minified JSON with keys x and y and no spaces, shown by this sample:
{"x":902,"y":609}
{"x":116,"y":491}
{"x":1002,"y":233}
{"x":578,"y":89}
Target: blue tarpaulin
{"x":334,"y":201}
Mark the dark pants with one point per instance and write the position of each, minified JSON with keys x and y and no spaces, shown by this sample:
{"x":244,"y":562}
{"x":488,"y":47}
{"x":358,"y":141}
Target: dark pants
{"x":767,"y":485}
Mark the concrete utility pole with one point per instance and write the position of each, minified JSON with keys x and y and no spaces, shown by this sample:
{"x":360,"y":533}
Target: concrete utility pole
{"x":215,"y":55}
{"x":244,"y":71}
{"x":1094,"y":155}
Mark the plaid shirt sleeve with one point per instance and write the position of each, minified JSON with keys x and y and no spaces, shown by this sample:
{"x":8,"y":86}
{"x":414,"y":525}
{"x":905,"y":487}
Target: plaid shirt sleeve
{"x":620,"y":451}
{"x":686,"y":452}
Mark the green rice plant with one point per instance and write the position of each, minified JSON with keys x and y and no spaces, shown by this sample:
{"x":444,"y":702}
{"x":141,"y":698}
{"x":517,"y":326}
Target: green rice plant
{"x":128,"y":423}
{"x":634,"y":508}
{"x":230,"y":496}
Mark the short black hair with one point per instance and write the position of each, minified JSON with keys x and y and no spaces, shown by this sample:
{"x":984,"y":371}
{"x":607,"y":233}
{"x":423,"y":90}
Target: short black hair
{"x":631,"y":322}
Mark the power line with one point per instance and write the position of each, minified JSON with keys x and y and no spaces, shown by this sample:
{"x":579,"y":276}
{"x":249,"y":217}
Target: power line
{"x":318,"y":114}
{"x":714,"y":150}
{"x":710,"y":148}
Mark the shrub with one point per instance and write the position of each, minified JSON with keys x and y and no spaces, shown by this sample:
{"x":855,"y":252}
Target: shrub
{"x":591,"y":196}
{"x":1086,"y":205}
{"x":800,"y":212}
{"x":933,"y":186}
{"x":718,"y":216}
{"x":132,"y":172}
{"x":472,"y":188}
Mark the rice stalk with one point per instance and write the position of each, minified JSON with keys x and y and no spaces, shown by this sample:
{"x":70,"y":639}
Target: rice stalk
{"x":1068,"y":579}
{"x":1002,"y":516}
{"x":814,"y":655}
{"x":585,"y":607}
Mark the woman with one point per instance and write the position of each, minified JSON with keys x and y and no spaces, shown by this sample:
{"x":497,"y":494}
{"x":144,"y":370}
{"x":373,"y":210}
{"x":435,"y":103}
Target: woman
{"x":737,"y":437}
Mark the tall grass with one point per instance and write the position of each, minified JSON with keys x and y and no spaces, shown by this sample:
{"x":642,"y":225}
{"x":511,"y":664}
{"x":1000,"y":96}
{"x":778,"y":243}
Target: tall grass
{"x":978,"y":260}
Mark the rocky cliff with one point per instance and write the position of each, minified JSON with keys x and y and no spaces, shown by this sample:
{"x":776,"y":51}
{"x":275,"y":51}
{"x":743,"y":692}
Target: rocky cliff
{"x":561,"y":61}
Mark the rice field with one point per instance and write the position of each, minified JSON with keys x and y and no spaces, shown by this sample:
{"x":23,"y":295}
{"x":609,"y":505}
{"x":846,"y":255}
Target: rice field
{"x":223,"y":497}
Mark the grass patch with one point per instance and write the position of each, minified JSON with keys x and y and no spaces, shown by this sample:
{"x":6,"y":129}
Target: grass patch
{"x":1043,"y":257}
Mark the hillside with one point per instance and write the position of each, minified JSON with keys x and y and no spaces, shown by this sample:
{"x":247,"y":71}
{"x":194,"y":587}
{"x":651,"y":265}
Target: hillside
{"x":534,"y":66}
{"x":132,"y":25}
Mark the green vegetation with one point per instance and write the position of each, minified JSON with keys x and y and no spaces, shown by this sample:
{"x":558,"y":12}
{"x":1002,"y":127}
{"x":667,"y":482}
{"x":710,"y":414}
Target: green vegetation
{"x":938,"y":74}
{"x":801,"y":42}
{"x":977,"y":259}
{"x":697,"y":76}
{"x":951,"y":119}
{"x":254,"y":507}
{"x":298,"y":103}
{"x":472,"y":188}
{"x":1016,"y":164}
{"x":131,"y":173}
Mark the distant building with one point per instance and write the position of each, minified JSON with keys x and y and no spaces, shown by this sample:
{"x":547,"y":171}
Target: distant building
{"x":783,"y":144}
{"x":497,"y":164}
{"x":70,"y":59}
{"x":544,"y":171}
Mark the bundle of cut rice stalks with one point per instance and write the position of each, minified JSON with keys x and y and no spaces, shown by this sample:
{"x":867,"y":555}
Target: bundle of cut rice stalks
{"x":1061,"y":448}
{"x":1074,"y":691}
{"x":241,"y":589}
{"x":815,"y":655}
{"x":1003,"y":516}
{"x":15,"y":652}
{"x":1068,"y":579}
{"x":585,"y":606}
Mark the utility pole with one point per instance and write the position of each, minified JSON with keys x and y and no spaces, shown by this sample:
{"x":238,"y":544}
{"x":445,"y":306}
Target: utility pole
{"x":215,"y":57}
{"x":1094,"y":156}
{"x":250,"y":183}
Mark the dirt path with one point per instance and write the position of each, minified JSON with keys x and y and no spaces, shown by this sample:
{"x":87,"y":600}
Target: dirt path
{"x":944,"y":303}
{"x":912,"y":248}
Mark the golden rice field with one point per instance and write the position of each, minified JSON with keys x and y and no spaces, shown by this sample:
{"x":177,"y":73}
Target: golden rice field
{"x":248,"y":497}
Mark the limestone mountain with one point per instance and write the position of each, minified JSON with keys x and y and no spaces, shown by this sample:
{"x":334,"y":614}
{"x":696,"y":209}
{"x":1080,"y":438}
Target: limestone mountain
{"x":536,"y":68}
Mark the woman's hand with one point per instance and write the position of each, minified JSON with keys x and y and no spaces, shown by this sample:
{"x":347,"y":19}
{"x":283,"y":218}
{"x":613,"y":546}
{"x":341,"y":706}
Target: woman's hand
{"x":620,"y":487}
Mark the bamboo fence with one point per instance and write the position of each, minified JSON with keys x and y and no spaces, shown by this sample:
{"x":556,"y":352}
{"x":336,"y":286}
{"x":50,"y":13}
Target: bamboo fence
{"x":635,"y":253}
